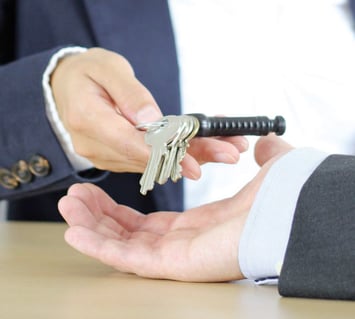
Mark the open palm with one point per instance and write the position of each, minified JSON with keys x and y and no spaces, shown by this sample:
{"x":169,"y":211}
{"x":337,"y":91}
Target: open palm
{"x":200,"y":244}
{"x":171,"y":245}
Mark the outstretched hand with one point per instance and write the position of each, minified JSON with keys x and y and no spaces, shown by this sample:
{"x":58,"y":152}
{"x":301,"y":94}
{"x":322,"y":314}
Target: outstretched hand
{"x":99,"y":100}
{"x":200,"y":244}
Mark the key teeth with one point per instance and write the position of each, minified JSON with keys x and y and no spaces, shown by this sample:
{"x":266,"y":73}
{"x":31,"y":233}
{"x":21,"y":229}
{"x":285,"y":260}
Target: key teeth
{"x":144,"y":189}
{"x":186,"y":128}
{"x":176,"y":173}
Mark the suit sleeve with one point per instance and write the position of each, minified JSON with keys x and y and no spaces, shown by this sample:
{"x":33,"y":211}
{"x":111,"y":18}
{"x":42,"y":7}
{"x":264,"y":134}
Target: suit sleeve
{"x":320,"y":255}
{"x":25,"y":130}
{"x":24,"y":127}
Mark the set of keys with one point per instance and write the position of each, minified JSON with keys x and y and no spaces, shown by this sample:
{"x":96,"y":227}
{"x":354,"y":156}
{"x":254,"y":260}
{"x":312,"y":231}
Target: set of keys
{"x":169,"y":138}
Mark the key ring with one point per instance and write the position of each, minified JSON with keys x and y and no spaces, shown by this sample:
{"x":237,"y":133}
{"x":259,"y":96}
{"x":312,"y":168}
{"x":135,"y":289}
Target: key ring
{"x":151,"y":125}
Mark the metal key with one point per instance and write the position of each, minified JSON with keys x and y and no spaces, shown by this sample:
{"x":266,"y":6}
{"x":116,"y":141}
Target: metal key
{"x":170,"y":138}
{"x":158,"y":137}
{"x":191,"y":127}
{"x":176,"y":169}
{"x":172,"y":147}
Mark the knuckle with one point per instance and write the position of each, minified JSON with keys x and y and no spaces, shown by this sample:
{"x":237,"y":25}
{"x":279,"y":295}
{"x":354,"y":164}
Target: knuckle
{"x":136,"y":95}
{"x":84,"y":151}
{"x":110,"y":59}
{"x":74,"y":122}
{"x":122,"y":64}
{"x":99,"y":165}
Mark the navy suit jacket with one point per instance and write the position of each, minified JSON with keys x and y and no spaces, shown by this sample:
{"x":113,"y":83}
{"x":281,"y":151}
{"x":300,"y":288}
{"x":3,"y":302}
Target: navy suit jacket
{"x":31,"y":31}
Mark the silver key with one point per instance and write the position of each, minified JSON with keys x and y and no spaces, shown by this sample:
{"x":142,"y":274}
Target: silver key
{"x":175,"y":173}
{"x":158,"y":137}
{"x":191,"y":126}
{"x":177,"y":149}
{"x":172,"y":147}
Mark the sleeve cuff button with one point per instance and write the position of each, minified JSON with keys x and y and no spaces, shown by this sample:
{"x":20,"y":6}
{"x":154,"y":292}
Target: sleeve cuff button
{"x":7,"y":179}
{"x":21,"y":172}
{"x":39,"y":165}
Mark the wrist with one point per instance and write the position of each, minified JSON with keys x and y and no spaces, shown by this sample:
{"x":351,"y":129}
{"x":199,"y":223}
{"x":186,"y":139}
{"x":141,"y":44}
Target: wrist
{"x":79,"y":163}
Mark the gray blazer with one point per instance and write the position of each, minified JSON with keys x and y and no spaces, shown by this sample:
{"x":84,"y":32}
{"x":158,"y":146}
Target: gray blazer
{"x":320,"y":257}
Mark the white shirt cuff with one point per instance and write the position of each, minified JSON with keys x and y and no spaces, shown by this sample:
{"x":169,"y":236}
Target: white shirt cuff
{"x":78,"y":162}
{"x":267,"y":230}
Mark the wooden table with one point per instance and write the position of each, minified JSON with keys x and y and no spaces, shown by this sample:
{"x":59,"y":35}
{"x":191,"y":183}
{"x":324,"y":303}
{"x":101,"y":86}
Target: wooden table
{"x":42,"y":277}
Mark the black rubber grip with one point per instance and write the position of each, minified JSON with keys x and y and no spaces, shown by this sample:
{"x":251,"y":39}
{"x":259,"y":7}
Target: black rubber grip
{"x":232,"y":126}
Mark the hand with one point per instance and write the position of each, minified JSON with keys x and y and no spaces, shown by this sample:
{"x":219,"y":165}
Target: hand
{"x":99,"y":101}
{"x":200,"y":244}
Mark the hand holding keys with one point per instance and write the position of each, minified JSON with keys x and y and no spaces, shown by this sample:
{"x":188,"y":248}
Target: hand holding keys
{"x":170,"y":136}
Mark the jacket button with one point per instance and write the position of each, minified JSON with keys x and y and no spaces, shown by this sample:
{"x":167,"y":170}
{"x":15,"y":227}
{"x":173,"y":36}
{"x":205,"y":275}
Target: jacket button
{"x":38,"y":165}
{"x":21,"y":172}
{"x":7,"y":179}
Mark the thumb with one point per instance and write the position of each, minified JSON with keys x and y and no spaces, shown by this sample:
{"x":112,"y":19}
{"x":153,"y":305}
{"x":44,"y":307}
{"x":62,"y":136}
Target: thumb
{"x":116,"y":75}
{"x":135,"y":102}
{"x":268,"y":147}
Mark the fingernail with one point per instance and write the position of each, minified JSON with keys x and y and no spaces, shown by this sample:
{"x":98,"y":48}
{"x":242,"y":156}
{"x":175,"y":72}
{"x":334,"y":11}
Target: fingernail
{"x":148,"y":113}
{"x":191,"y":174}
{"x":225,"y":158}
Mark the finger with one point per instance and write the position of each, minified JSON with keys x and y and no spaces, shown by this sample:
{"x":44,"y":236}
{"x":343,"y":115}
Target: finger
{"x":76,"y":212}
{"x":127,"y":256}
{"x":93,"y":244}
{"x":127,"y":217}
{"x":206,"y":149}
{"x":133,"y":99}
{"x":240,"y":142}
{"x":88,"y":114}
{"x":190,"y":168}
{"x":268,"y":147}
{"x":103,"y":125}
{"x":105,"y":157}
{"x":97,"y":200}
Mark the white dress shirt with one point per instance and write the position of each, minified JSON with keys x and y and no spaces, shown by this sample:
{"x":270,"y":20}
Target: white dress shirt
{"x":265,"y":235}
{"x":293,"y":58}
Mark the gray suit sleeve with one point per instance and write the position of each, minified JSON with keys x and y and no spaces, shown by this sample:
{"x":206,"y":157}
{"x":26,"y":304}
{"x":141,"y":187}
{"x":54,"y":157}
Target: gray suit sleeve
{"x":320,"y":256}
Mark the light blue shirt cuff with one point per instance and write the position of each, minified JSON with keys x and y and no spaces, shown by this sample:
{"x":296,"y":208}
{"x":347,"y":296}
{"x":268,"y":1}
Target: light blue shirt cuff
{"x":267,"y":230}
